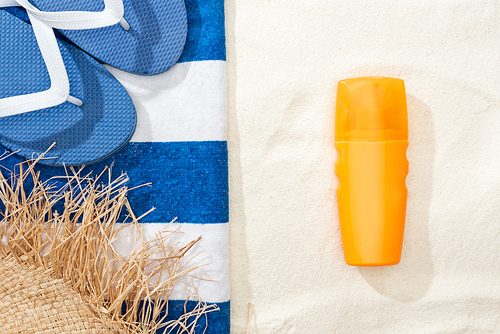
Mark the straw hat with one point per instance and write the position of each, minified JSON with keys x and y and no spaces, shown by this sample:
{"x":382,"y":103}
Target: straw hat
{"x":34,"y":302}
{"x":60,"y":272}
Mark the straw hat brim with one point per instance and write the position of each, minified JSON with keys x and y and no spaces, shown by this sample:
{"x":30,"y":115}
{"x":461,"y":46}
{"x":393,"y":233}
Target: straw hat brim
{"x":33,"y":302}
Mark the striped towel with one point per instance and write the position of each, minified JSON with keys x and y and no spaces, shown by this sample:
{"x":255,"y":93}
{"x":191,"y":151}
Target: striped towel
{"x":180,"y":147}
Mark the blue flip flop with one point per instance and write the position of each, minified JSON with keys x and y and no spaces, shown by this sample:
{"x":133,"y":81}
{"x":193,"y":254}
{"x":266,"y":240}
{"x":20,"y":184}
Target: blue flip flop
{"x":84,"y":134}
{"x":150,"y":40}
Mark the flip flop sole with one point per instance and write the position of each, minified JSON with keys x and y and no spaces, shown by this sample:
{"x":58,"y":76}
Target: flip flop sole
{"x":152,"y":45}
{"x":83,"y":135}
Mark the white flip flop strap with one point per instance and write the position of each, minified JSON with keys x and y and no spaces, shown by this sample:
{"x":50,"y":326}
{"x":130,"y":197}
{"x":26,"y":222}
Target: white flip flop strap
{"x":59,"y":90}
{"x":8,"y":3}
{"x":77,"y":20}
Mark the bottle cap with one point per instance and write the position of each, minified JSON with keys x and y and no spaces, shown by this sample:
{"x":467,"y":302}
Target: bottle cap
{"x":371,"y":109}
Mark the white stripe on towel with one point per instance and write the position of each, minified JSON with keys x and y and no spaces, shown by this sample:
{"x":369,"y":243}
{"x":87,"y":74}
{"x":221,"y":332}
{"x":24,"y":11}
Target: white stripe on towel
{"x":215,"y":247}
{"x":186,"y":103}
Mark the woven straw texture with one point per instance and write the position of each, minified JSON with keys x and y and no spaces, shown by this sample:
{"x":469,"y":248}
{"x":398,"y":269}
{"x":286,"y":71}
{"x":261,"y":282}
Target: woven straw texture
{"x":33,"y":302}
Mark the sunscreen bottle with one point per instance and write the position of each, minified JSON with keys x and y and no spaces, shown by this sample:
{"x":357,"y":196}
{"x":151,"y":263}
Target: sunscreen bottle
{"x":371,"y":138}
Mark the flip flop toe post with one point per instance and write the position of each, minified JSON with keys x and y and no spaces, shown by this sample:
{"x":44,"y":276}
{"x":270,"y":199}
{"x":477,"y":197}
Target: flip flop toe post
{"x":154,"y":42}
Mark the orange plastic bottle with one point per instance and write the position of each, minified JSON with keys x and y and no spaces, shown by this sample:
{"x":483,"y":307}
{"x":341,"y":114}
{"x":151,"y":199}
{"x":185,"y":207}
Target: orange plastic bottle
{"x":371,"y":138}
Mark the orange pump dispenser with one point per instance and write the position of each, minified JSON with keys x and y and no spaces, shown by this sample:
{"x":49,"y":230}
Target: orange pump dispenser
{"x":371,"y":138}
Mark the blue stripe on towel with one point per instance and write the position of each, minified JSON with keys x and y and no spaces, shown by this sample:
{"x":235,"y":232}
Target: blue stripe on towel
{"x":218,"y":321}
{"x":189,"y":179}
{"x":206,"y":32}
